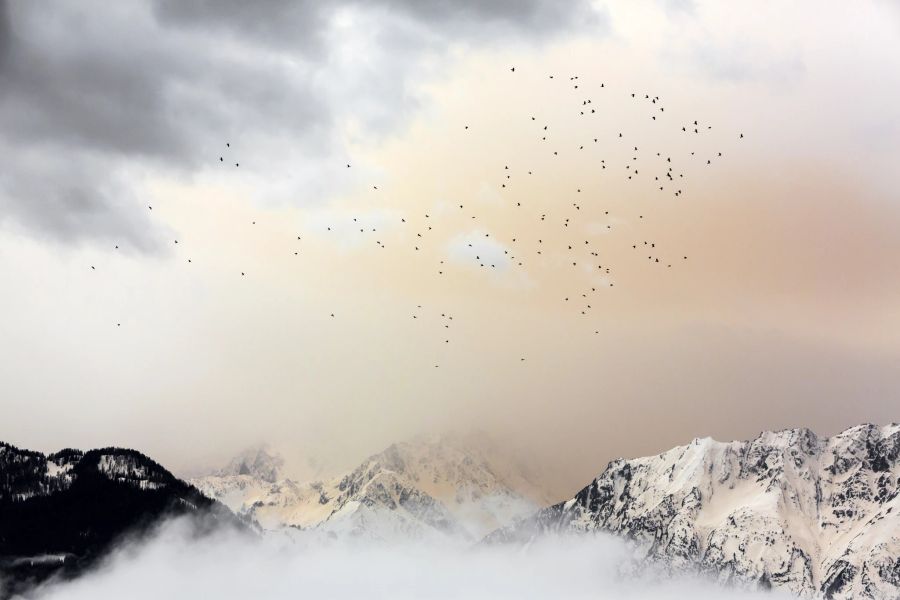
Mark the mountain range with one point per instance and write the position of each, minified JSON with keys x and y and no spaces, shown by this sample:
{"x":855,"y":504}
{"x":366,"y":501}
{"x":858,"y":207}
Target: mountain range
{"x":62,"y":513}
{"x":819,"y":517}
{"x":440,"y":487}
{"x":789,"y":510}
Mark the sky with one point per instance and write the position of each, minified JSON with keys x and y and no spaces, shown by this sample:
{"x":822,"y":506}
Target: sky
{"x":784,"y":313}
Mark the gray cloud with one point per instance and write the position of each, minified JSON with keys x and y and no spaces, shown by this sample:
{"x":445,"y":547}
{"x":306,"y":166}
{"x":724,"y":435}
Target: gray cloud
{"x":52,"y":196}
{"x":304,"y":23}
{"x":301,"y":24}
{"x":94,"y":96}
{"x":5,"y":33}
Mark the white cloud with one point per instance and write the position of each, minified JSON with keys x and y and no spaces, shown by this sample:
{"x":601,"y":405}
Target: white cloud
{"x":478,"y":250}
{"x":227,"y":565}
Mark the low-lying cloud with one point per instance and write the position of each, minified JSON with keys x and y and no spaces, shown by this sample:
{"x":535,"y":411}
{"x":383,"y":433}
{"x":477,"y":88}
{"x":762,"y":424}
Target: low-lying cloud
{"x":175,"y":564}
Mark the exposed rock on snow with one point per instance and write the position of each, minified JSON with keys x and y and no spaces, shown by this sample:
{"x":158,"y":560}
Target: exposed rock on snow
{"x":817,"y":517}
{"x":63,"y":512}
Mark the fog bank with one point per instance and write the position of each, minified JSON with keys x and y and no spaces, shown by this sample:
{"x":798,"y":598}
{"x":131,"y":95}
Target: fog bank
{"x":225,"y":565}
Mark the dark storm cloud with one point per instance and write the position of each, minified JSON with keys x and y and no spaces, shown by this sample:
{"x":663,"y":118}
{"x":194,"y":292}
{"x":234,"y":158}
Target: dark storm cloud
{"x":96,"y":95}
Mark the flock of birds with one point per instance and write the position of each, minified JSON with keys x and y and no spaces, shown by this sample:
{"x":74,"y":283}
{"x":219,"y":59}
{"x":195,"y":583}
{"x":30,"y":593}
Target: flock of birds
{"x":665,"y":175}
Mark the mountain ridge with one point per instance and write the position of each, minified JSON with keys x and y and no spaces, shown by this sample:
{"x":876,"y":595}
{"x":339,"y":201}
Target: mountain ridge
{"x":429,"y":486}
{"x":814,"y":516}
{"x":787,"y":509}
{"x":63,"y":512}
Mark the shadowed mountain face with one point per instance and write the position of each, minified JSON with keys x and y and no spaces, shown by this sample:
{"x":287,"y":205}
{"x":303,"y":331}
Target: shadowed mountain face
{"x":62,"y":512}
{"x":817,"y":517}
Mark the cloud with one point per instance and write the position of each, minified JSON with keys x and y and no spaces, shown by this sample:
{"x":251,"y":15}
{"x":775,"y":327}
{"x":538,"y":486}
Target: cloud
{"x":676,"y":8}
{"x":227,"y":565}
{"x":63,"y":200}
{"x":97,"y":98}
{"x":303,"y":23}
{"x":741,"y":62}
{"x":476,"y":249}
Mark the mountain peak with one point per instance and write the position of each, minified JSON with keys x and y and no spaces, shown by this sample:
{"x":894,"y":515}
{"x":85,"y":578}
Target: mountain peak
{"x":259,"y":461}
{"x":446,"y":485}
{"x":790,"y":509}
{"x":62,"y":512}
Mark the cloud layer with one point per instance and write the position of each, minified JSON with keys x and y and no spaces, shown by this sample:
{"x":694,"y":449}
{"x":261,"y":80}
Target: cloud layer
{"x":96,"y":98}
{"x":227,"y":565}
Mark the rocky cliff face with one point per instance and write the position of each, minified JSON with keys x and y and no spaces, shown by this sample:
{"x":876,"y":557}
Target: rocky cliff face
{"x":819,"y":517}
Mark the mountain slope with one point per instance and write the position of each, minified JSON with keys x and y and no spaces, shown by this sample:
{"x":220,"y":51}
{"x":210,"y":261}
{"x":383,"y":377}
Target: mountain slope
{"x":438,"y":487}
{"x":817,"y":517}
{"x":62,"y":512}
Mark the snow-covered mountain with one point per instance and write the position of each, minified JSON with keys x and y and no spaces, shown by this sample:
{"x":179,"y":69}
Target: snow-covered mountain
{"x":819,"y":517}
{"x":260,"y":462}
{"x":60,"y":513}
{"x":457,"y":487}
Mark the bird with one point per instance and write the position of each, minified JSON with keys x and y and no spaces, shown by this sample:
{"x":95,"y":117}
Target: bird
{"x":585,"y":253}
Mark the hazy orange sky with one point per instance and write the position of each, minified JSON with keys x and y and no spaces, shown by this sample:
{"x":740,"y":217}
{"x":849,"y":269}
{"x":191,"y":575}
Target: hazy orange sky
{"x":786,"y":312}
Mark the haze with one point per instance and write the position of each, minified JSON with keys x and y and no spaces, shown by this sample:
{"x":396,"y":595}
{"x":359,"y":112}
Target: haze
{"x":785,"y":312}
{"x":227,"y":565}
